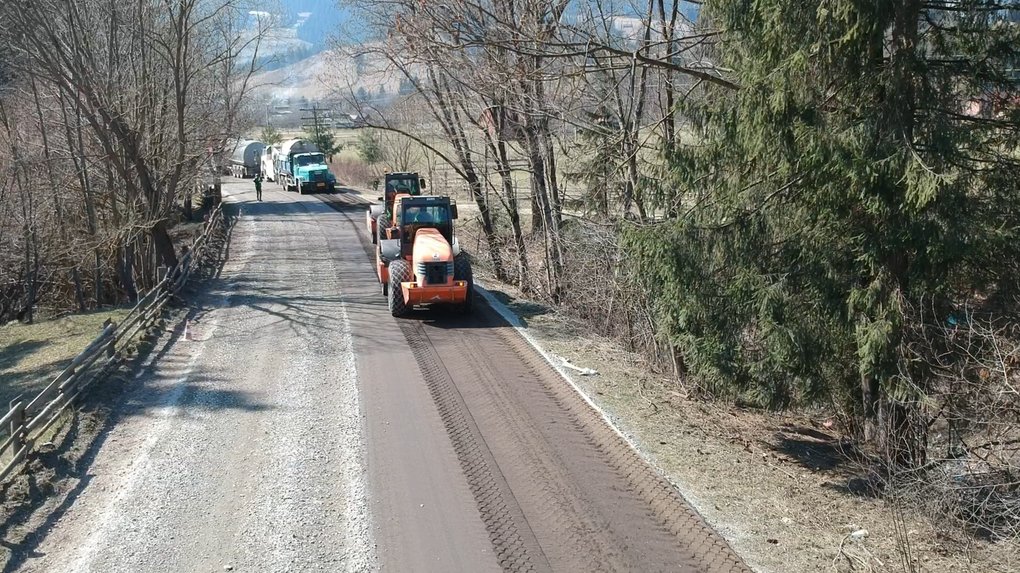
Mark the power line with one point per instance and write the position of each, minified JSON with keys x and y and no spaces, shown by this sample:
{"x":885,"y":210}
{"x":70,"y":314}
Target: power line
{"x":315,"y":109}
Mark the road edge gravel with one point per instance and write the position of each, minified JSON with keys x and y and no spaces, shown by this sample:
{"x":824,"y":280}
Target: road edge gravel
{"x":358,"y":510}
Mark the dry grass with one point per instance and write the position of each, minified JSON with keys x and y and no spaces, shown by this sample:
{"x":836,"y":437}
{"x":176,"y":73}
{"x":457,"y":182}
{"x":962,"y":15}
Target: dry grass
{"x":32,"y":354}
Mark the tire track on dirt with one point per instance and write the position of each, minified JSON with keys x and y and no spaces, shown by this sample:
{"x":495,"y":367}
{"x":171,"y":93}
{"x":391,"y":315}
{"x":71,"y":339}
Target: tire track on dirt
{"x":703,"y":545}
{"x":515,"y":544}
{"x":585,"y":512}
{"x":572,"y":534}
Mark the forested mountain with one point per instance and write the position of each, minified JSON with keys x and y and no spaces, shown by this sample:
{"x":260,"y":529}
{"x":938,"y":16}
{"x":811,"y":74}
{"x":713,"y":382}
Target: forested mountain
{"x":314,"y":21}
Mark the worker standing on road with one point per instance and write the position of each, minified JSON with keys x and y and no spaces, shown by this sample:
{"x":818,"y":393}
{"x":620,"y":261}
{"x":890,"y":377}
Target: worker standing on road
{"x":258,"y":186}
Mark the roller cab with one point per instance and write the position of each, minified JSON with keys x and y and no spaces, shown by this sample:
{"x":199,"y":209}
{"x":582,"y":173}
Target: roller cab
{"x":417,"y":256}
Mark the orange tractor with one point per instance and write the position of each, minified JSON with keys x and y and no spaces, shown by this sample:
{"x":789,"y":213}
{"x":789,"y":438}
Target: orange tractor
{"x":418,"y":260}
{"x":396,"y":184}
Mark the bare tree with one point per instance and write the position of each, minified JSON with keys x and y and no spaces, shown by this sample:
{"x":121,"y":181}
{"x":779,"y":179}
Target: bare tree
{"x":143,"y":95}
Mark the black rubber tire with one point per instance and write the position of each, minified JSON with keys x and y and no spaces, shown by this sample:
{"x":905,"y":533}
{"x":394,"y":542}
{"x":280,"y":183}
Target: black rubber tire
{"x":400,"y":272}
{"x":462,"y":272}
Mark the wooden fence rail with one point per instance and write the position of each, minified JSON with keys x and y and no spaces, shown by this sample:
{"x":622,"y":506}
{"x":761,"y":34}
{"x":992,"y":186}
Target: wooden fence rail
{"x":26,"y":422}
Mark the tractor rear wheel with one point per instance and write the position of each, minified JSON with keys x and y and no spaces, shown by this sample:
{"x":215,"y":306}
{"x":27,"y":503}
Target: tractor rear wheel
{"x":400,"y":272}
{"x":462,"y":272}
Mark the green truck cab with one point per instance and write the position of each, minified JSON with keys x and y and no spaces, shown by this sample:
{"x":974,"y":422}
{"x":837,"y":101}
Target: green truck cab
{"x":301,"y":167}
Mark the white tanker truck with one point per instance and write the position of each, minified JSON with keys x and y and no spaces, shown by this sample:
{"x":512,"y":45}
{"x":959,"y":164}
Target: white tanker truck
{"x":244,"y":159}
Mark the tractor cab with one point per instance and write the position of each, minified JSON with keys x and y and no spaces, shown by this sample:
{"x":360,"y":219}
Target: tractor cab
{"x":399,"y":183}
{"x":413,"y":214}
{"x":418,"y":260}
{"x":402,"y":184}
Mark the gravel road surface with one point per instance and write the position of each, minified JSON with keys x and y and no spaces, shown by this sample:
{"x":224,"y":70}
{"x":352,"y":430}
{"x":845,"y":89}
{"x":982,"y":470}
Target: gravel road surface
{"x":241,"y":448}
{"x":302,"y":428}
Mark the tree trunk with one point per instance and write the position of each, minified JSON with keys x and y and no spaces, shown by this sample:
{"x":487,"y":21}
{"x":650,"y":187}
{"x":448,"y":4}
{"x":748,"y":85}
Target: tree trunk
{"x":554,"y":257}
{"x":55,"y":194}
{"x":453,"y":125}
{"x":902,"y":428}
{"x":668,"y":30}
{"x":162,"y":244}
{"x":30,"y":252}
{"x":510,"y":192}
{"x":77,"y":147}
{"x":125,"y":261}
{"x":550,"y":170}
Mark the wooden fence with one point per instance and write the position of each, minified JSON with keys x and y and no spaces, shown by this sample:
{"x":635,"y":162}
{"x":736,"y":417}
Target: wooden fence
{"x":27,"y":421}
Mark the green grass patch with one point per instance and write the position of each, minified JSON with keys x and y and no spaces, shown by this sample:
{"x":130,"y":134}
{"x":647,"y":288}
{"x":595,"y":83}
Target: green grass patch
{"x":31,"y":355}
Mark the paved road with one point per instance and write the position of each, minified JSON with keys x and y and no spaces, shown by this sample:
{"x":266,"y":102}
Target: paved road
{"x":305,"y":429}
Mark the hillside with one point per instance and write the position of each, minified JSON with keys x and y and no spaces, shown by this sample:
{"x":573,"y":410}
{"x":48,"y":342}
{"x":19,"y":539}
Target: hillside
{"x":329,"y":75}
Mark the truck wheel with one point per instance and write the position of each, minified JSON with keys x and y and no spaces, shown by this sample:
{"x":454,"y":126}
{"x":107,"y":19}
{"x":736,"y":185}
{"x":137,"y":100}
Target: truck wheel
{"x":400,"y":272}
{"x":462,"y":272}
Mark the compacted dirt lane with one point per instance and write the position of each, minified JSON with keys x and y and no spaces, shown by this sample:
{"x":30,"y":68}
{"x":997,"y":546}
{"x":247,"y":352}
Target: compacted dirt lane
{"x":424,"y":513}
{"x":556,"y":488}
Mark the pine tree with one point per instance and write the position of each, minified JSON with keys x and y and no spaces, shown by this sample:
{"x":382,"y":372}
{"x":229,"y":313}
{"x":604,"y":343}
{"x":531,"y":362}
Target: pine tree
{"x":370,"y":147}
{"x":270,"y":136}
{"x":326,"y":141}
{"x":598,"y":165}
{"x":842,"y":186}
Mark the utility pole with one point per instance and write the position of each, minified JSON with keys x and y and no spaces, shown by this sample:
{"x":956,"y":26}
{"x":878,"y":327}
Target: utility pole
{"x":315,"y":121}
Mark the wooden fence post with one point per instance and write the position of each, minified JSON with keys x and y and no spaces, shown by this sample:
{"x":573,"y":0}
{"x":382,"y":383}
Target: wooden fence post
{"x":10,"y":408}
{"x":111,"y":347}
{"x":17,"y":424}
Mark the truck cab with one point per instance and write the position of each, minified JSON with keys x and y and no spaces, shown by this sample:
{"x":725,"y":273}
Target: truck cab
{"x":268,"y":161}
{"x":301,"y":166}
{"x":311,"y":174}
{"x":402,"y":183}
